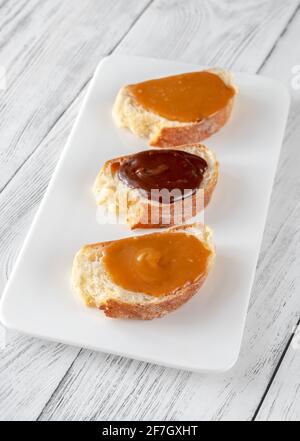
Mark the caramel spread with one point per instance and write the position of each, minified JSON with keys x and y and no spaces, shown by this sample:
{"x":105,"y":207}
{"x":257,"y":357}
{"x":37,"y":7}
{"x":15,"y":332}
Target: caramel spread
{"x":163,"y":169}
{"x":155,"y":264}
{"x":188,"y":97}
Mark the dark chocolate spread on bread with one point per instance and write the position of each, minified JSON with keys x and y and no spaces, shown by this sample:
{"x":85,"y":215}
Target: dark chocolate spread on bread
{"x":154,"y":170}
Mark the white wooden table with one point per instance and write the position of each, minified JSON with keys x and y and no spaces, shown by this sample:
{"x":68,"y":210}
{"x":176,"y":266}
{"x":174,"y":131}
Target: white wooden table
{"x":49,"y":49}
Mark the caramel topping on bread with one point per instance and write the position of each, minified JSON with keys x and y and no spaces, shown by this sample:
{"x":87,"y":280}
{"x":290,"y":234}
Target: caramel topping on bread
{"x":164,"y":169}
{"x":156,"y":264}
{"x":188,"y":97}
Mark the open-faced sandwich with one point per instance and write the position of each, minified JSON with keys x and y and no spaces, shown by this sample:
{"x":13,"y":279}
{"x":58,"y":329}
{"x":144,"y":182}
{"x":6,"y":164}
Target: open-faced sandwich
{"x":144,"y":277}
{"x":179,"y":109}
{"x":158,"y":187}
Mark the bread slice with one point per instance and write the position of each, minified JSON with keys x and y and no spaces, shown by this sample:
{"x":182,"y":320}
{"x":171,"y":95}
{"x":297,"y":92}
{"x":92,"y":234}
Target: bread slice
{"x":162,"y":132}
{"x":91,"y":282}
{"x":140,"y":212}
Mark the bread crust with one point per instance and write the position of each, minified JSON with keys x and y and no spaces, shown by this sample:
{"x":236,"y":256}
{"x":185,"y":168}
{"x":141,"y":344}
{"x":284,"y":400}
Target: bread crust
{"x":154,"y":307}
{"x":118,"y":309}
{"x":162,"y":132}
{"x":166,"y":215}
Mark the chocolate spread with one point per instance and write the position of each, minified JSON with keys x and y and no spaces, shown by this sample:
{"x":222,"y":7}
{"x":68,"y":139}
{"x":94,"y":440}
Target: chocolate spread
{"x":154,"y":170}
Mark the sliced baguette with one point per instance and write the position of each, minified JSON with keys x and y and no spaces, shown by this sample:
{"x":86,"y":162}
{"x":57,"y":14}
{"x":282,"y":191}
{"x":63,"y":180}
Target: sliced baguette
{"x":139,"y":211}
{"x":91,"y":282}
{"x":162,"y":132}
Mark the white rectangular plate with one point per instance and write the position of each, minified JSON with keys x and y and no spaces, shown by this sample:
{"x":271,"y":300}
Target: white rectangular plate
{"x":205,"y":334}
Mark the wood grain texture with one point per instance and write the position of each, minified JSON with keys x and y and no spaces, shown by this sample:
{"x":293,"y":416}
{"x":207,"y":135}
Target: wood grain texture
{"x":50,"y":50}
{"x":97,"y":386}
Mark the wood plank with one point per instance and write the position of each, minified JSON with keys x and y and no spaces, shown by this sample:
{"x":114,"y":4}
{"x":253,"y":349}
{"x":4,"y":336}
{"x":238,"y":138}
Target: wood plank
{"x":139,"y":375}
{"x":107,"y":387}
{"x":50,"y":50}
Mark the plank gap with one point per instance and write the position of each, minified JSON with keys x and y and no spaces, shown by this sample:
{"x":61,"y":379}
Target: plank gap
{"x":274,"y":373}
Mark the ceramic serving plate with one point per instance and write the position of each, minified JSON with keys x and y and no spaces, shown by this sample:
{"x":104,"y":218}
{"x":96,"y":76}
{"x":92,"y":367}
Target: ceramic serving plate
{"x":206,"y":333}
